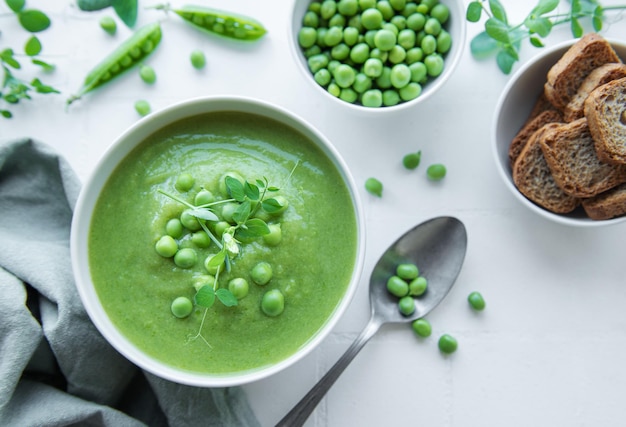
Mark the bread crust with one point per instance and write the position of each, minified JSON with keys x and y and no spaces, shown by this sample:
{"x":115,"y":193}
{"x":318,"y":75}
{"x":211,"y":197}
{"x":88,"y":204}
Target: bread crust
{"x":605,"y":110}
{"x":575,"y":109}
{"x":533,"y":178}
{"x":566,"y":76}
{"x":530,"y":127}
{"x":570,"y":153}
{"x":607,"y":205}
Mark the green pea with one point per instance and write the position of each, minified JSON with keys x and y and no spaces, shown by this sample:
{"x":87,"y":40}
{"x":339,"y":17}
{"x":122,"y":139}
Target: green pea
{"x":202,"y":280}
{"x":397,"y":5}
{"x":181,"y":307}
{"x":174,"y":228}
{"x":274,"y":237}
{"x":238,"y":287}
{"x":391,"y":97}
{"x":476,"y":301}
{"x":108,"y":24}
{"x":323,"y":77}
{"x":412,"y":160}
{"x":440,"y":12}
{"x":189,"y":221}
{"x":203,"y":197}
{"x":361,"y":83}
{"x":406,"y":39}
{"x":406,"y":305}
{"x":436,"y":172}
{"x":373,"y":67}
{"x":349,"y":95}
{"x":418,"y":286}
{"x":350,"y":36}
{"x":184,"y":182}
{"x":334,"y":89}
{"x":147,"y":74}
{"x":317,"y":62}
{"x":444,"y":42}
{"x":400,"y":75}
{"x":422,"y":327}
{"x":434,"y":64}
{"x":423,"y":9}
{"x":397,"y":286}
{"x":220,"y":227}
{"x":340,"y":51}
{"x":307,"y":37}
{"x":429,"y":44}
{"x":344,"y":75}
{"x":311,"y":19}
{"x":385,"y":40}
{"x":333,"y":36}
{"x":338,"y":20}
{"x":376,"y":53}
{"x":328,"y":9}
{"x":273,"y":303}
{"x":369,"y":38}
{"x":366,"y":4}
{"x":142,"y":107}
{"x":418,"y":71}
{"x":372,"y":19}
{"x":386,"y":9}
{"x":261,"y":273}
{"x":313,"y":50}
{"x":186,"y":258}
{"x":407,"y":271}
{"x":166,"y":246}
{"x":197,"y":59}
{"x":397,"y":54}
{"x":432,"y":26}
{"x":374,"y":186}
{"x":201,"y":239}
{"x":355,"y":22}
{"x":390,"y":27}
{"x":372,"y":98}
{"x":360,"y":52}
{"x":447,"y":344}
{"x":228,"y":210}
{"x":410,"y":91}
{"x":399,"y":22}
{"x":332,"y":65}
{"x":416,"y":21}
{"x":348,"y":7}
{"x":384,"y":80}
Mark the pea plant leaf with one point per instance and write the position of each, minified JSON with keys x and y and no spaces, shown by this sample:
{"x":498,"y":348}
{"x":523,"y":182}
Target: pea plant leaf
{"x":32,"y":46}
{"x":541,"y":25}
{"x":126,"y":10}
{"x":272,"y":205}
{"x":226,"y":297}
{"x":204,"y":214}
{"x":497,"y":10}
{"x":483,"y":46}
{"x":205,"y":297}
{"x":251,"y":191}
{"x":42,"y":88}
{"x":7,"y":57}
{"x":44,"y":65}
{"x":235,"y":188}
{"x":545,"y":6}
{"x":217,"y":259}
{"x":474,"y":11}
{"x":242,"y":212}
{"x":33,"y":20}
{"x":93,"y":5}
{"x":576,"y":28}
{"x":497,"y":30}
{"x":505,"y":61}
{"x":252,"y":228}
{"x":15,"y":5}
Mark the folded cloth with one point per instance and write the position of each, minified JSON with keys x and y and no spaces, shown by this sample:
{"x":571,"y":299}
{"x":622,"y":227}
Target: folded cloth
{"x":55,"y":367}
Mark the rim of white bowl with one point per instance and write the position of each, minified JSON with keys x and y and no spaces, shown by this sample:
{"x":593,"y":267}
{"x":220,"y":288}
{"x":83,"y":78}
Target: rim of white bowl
{"x":89,"y":194}
{"x":502,"y":164}
{"x":452,"y":59}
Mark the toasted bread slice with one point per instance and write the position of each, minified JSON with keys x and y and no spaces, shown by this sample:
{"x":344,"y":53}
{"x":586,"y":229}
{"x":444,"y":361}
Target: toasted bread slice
{"x":570,"y":152}
{"x":541,"y":104}
{"x":533,"y":178}
{"x":530,"y":127}
{"x":607,"y":205}
{"x":605,"y":110}
{"x":601,"y":75}
{"x":566,"y":76}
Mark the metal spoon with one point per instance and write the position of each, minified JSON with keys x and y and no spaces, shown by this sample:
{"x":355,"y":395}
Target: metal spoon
{"x":438,"y":248}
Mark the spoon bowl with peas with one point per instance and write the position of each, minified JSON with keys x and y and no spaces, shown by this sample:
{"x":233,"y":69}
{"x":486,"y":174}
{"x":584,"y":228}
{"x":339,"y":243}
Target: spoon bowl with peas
{"x":438,"y":247}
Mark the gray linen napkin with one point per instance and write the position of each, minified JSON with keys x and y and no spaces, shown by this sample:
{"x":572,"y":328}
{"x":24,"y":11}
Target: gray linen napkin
{"x":55,"y":367}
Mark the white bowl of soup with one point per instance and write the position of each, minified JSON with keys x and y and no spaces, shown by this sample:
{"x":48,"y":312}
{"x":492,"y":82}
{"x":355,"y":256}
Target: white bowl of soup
{"x":218,"y":241}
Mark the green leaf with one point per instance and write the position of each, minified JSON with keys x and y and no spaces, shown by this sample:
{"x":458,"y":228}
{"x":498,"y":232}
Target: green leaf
{"x":205,"y":297}
{"x":6,"y":114}
{"x":576,"y":27}
{"x":235,"y":188}
{"x":226,"y":297}
{"x":545,"y":6}
{"x":536,"y":41}
{"x":7,"y":57}
{"x":204,"y":214}
{"x":474,"y":11}
{"x":42,"y":88}
{"x":254,"y":227}
{"x":541,"y":26}
{"x":505,"y":61}
{"x":126,"y":10}
{"x":242,"y":212}
{"x":92,"y":5}
{"x":497,"y":30}
{"x":44,"y":65}
{"x":251,"y":191}
{"x":32,"y":46}
{"x":576,"y":7}
{"x":598,"y":18}
{"x":271,"y":205}
{"x":33,"y":20}
{"x":16,"y":5}
{"x":217,"y":259}
{"x":483,"y":46}
{"x":497,"y":10}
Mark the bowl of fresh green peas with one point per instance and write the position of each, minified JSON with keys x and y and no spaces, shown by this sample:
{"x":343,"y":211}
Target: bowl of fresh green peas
{"x":377,"y":54}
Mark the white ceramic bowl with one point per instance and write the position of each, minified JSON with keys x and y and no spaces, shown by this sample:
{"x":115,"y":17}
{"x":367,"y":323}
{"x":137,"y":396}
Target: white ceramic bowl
{"x":511,"y":112}
{"x":89,"y":196}
{"x":456,"y":26}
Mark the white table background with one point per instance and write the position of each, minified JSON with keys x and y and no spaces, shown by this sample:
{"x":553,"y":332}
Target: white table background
{"x":549,"y":348}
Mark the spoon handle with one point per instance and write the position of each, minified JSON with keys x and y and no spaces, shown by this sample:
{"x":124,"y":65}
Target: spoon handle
{"x":299,"y":414}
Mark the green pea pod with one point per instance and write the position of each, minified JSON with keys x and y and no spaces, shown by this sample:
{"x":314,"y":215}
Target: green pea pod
{"x":130,"y":53}
{"x":225,"y":24}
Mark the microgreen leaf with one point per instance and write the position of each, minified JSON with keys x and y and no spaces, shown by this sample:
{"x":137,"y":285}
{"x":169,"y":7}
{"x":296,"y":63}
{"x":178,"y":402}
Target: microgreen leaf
{"x":252,"y":228}
{"x":126,"y":10}
{"x":536,"y":41}
{"x":226,"y":297}
{"x":545,"y":6}
{"x":497,"y":30}
{"x":242,"y":212}
{"x":217,"y":259}
{"x":260,"y":183}
{"x":42,"y":88}
{"x":204,"y":214}
{"x":577,"y":29}
{"x":271,"y":205}
{"x":505,"y":61}
{"x":205,"y":297}
{"x":7,"y":57}
{"x":15,"y":5}
{"x":235,"y":188}
{"x":33,"y":20}
{"x":483,"y":46}
{"x":251,"y":191}
{"x":576,"y":7}
{"x":541,"y":26}
{"x":6,"y":114}
{"x":497,"y":10}
{"x":597,"y":19}
{"x":44,"y":65}
{"x":272,"y":189}
{"x":32,"y":46}
{"x":474,"y":11}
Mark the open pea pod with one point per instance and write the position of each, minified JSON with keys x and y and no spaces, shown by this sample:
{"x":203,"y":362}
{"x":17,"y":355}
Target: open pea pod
{"x":225,"y":24}
{"x":127,"y":55}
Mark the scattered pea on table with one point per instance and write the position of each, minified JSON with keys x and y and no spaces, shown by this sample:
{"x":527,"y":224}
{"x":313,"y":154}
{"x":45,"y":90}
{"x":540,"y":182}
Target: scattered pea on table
{"x":108,"y":24}
{"x":374,"y":186}
{"x":447,"y":344}
{"x":476,"y":301}
{"x":198,"y":59}
{"x":142,"y":107}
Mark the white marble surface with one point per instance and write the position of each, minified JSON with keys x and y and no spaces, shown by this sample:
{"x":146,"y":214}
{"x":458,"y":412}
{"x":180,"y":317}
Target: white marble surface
{"x":547,"y":351}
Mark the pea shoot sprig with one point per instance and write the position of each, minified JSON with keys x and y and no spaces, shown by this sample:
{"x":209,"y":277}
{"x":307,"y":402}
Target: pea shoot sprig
{"x":503,"y":39}
{"x":14,"y":89}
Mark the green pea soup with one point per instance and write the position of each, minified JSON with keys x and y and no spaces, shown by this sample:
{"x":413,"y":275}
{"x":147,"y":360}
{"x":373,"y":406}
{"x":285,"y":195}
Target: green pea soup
{"x":312,"y":264}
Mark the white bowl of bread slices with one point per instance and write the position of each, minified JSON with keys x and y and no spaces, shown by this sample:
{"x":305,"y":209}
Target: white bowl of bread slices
{"x":559,"y":132}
